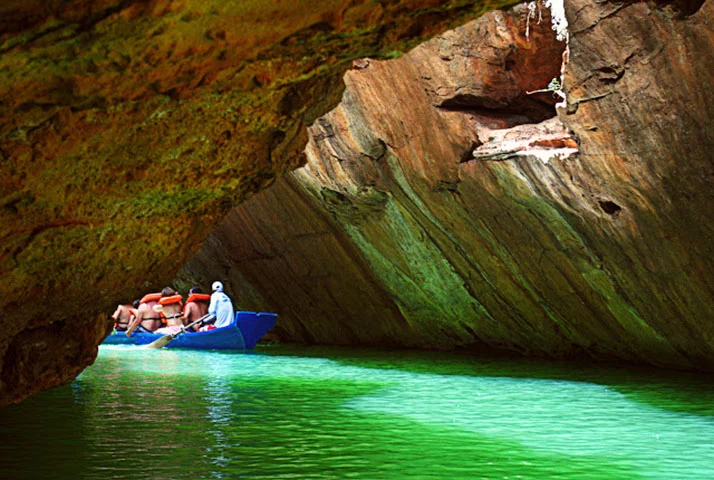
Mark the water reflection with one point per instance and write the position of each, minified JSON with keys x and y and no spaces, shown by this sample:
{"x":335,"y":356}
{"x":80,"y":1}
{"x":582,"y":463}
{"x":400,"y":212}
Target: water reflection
{"x":220,"y":413}
{"x":560,"y":417}
{"x":58,"y":442}
{"x":350,"y":414}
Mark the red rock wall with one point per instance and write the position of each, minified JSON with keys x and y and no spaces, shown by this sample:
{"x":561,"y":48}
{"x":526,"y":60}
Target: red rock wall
{"x":456,"y":223}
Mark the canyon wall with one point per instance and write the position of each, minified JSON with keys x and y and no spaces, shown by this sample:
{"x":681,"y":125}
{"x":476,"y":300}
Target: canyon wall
{"x":444,"y":204}
{"x":128,"y":128}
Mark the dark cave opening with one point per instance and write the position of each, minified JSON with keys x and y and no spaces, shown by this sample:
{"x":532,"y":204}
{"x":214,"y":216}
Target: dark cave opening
{"x":609,"y":207}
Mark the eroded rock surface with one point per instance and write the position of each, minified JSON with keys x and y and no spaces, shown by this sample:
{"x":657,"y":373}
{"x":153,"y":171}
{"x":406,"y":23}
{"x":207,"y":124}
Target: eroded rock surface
{"x":443,"y":206}
{"x":128,"y":128}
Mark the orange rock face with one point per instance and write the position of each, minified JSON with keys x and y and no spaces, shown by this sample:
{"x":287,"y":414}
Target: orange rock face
{"x":128,"y":128}
{"x":374,"y":240}
{"x":442,"y":205}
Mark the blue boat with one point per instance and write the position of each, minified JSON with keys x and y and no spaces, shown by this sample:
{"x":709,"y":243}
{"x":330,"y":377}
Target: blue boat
{"x":243,"y":334}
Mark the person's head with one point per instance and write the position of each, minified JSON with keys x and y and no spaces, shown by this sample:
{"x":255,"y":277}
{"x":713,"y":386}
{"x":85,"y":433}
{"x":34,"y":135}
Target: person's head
{"x":195,"y":290}
{"x":136,"y":303}
{"x":217,"y":287}
{"x":168,"y":292}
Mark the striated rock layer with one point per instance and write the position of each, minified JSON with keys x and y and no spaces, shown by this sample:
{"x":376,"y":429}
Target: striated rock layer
{"x":128,"y":128}
{"x":442,"y":205}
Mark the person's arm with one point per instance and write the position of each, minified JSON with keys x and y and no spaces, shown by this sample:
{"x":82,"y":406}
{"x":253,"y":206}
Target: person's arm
{"x":135,"y":323}
{"x":116,"y":313}
{"x":191,"y":311}
{"x":212,"y":305}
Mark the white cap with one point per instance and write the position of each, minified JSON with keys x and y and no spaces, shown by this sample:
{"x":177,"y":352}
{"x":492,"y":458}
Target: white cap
{"x":217,"y":286}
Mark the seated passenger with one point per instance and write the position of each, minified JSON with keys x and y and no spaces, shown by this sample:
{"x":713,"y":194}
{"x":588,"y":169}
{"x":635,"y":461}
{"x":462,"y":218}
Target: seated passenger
{"x":221,"y":307}
{"x":124,"y":315}
{"x":146,"y":320}
{"x":196,"y":307}
{"x":172,"y":304}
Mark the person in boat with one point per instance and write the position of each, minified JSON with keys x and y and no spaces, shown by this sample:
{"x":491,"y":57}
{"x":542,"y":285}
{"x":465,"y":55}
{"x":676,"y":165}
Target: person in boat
{"x":124,"y":315}
{"x":146,"y":319}
{"x":196,"y":307}
{"x":220,"y":308}
{"x":172,"y":310}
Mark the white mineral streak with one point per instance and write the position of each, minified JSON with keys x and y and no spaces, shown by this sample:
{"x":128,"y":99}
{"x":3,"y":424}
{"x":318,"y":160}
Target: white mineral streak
{"x":547,"y":154}
{"x":557,"y":15}
{"x":560,"y":25}
{"x":544,"y":141}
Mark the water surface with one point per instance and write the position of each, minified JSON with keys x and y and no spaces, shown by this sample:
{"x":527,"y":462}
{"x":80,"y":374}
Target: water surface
{"x":293,"y":413}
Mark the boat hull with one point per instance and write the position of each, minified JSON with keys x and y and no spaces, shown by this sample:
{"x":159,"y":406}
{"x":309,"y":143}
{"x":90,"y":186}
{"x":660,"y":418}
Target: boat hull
{"x":247,"y":329}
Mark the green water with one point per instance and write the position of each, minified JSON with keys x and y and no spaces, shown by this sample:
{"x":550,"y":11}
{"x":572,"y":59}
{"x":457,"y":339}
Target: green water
{"x":288,"y":413}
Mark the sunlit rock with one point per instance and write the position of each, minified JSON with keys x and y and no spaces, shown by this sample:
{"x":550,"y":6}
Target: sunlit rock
{"x":445,"y":204}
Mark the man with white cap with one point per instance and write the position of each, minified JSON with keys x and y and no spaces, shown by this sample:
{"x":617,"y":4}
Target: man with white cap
{"x":221,"y":306}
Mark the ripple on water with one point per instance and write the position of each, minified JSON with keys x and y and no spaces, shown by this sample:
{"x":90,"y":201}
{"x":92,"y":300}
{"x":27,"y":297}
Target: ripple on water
{"x":336,"y":413}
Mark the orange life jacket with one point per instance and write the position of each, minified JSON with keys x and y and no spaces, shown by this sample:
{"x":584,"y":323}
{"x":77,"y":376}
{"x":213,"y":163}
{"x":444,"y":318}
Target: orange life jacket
{"x":150,"y":297}
{"x":198,"y":297}
{"x":171,"y":300}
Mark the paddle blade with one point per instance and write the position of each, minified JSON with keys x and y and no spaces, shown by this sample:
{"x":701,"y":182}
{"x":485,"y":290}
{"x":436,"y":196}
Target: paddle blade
{"x":161,"y":342}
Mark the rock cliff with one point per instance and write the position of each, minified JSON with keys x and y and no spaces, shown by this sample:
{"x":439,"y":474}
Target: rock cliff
{"x":442,"y":205}
{"x":128,"y":128}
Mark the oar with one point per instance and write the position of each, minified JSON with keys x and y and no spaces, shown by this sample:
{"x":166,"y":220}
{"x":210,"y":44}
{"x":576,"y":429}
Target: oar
{"x":166,"y":339}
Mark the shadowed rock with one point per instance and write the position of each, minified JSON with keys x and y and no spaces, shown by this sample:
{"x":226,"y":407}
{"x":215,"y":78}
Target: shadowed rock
{"x":129,"y":128}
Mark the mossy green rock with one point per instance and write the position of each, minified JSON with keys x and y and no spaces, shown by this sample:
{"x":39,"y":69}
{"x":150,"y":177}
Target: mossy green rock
{"x":128,"y":129}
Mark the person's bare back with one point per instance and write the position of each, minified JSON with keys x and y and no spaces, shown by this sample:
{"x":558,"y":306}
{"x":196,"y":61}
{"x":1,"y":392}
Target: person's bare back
{"x":194,"y":311}
{"x":146,"y":317}
{"x":172,"y":307}
{"x":123,"y":316}
{"x":173,"y":315}
{"x":196,"y":306}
